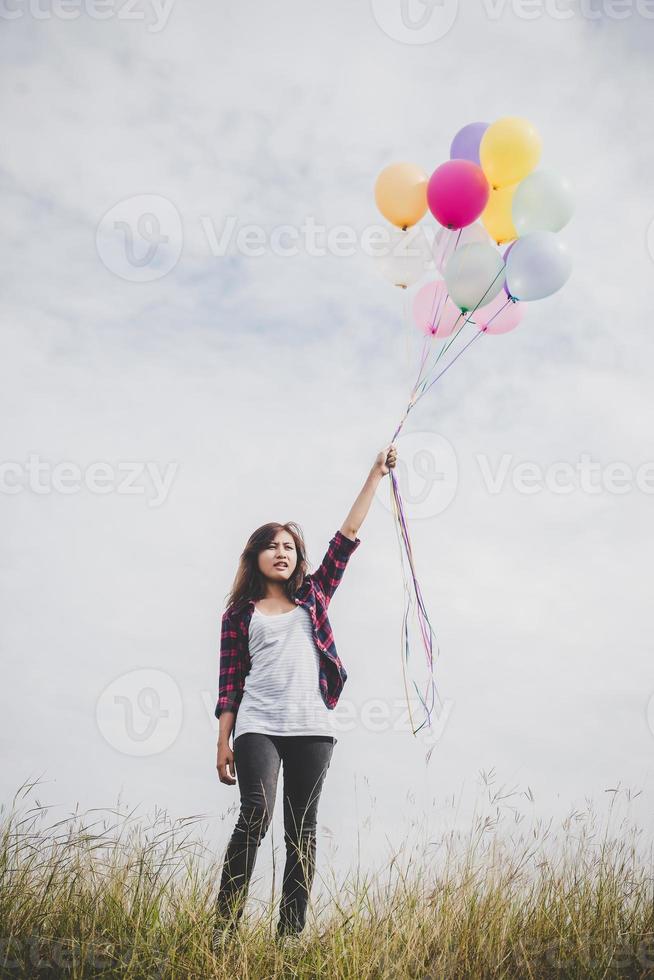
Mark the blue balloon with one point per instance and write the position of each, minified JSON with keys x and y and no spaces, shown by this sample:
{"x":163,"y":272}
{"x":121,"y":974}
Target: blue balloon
{"x":537,"y":266}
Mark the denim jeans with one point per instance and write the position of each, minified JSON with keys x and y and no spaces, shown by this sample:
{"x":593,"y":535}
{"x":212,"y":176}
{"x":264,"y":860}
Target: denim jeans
{"x":257,"y":759}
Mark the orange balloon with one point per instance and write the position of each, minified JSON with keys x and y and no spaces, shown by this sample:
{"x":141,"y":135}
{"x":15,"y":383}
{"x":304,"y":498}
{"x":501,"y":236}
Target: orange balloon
{"x":401,"y":193}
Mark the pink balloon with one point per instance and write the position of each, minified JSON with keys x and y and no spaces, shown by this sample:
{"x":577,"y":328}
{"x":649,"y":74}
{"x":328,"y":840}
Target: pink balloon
{"x":499,"y":316}
{"x":434,"y":311}
{"x":457,"y":193}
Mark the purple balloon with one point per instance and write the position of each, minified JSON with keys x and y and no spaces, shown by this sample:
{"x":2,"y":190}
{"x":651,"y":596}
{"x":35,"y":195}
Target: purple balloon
{"x":465,"y":145}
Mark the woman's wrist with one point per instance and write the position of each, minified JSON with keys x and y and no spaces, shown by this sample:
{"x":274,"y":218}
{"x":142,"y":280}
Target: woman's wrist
{"x":226,"y":725}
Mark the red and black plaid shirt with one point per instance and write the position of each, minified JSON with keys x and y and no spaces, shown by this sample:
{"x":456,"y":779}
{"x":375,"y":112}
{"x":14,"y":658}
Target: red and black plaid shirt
{"x":314,"y":594}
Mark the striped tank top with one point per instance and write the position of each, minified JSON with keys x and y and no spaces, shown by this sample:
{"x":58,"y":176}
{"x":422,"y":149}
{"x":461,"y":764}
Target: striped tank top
{"x":281,"y":695}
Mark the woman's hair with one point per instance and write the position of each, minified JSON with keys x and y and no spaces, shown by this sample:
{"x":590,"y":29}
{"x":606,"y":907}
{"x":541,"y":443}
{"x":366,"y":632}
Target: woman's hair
{"x":249,"y":582}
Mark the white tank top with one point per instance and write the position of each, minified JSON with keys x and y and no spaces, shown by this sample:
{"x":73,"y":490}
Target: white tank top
{"x":281,"y":694}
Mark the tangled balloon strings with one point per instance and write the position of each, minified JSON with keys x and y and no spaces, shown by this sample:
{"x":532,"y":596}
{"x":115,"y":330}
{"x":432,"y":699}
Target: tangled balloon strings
{"x":412,"y":591}
{"x":488,"y":193}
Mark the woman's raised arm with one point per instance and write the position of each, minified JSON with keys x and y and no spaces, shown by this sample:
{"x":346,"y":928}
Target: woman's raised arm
{"x":384,"y":462}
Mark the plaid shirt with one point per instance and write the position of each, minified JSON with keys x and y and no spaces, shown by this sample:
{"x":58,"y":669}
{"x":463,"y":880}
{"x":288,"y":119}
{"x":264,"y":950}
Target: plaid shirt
{"x":315,"y":595}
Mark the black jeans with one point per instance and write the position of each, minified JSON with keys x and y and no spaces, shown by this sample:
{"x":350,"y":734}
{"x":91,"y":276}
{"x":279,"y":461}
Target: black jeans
{"x":257,"y":758}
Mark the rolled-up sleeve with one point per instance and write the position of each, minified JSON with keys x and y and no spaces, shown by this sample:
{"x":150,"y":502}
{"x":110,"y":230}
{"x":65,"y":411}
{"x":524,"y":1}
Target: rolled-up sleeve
{"x":231,"y":676}
{"x":330,"y":571}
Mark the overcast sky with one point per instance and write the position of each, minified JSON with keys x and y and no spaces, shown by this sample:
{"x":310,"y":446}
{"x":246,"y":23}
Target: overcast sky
{"x":194,"y":395}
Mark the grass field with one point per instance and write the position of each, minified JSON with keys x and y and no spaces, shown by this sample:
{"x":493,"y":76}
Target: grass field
{"x":100,"y":896}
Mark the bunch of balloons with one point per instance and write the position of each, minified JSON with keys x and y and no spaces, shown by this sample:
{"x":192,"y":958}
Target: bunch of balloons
{"x":488,"y":194}
{"x":496,"y":247}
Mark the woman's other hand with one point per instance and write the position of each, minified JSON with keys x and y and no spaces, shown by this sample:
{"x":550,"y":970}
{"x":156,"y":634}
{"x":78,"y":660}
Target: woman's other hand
{"x":225,"y":764}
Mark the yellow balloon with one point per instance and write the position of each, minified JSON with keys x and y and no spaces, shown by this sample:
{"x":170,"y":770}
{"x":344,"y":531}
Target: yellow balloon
{"x":497,"y":215}
{"x":509,"y":150}
{"x":401,"y":193}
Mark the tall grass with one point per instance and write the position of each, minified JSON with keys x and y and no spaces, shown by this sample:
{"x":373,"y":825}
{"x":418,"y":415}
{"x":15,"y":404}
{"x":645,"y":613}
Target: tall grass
{"x":102,"y":894}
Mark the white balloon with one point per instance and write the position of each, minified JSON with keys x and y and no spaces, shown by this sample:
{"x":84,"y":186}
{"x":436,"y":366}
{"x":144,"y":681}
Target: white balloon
{"x":474,"y":275}
{"x":449,"y":240}
{"x":537,"y":266}
{"x":543,"y":201}
{"x":406,"y":258}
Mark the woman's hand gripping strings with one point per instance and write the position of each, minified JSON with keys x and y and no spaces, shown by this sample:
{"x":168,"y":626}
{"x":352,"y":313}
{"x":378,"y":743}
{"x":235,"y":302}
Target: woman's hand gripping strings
{"x":386,"y":459}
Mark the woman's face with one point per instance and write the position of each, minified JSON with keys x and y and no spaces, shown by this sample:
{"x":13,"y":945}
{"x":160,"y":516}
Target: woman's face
{"x":278,"y":560}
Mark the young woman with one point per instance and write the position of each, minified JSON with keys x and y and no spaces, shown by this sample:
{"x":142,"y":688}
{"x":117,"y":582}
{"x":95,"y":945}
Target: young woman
{"x":280,"y":675}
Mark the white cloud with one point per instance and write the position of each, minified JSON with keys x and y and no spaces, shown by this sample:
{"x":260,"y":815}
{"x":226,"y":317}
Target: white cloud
{"x":274,"y":381}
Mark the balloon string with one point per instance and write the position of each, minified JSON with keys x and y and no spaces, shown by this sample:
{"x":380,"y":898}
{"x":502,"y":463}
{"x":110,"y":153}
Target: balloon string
{"x":448,"y":366}
{"x":471,"y":312}
{"x":407,"y":330}
{"x":443,"y":257}
{"x":406,"y":611}
{"x":421,"y":387}
{"x":425,"y":626}
{"x":447,"y":346}
{"x":413,"y":399}
{"x":440,"y":298}
{"x":423,"y":618}
{"x":423,"y":359}
{"x":412,"y":589}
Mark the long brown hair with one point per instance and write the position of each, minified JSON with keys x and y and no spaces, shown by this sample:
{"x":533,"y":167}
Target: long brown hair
{"x":249,"y":583}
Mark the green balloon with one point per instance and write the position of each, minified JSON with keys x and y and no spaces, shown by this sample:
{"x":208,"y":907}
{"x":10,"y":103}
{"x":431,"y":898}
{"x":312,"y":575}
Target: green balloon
{"x":543,"y":201}
{"x":474,"y":275}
